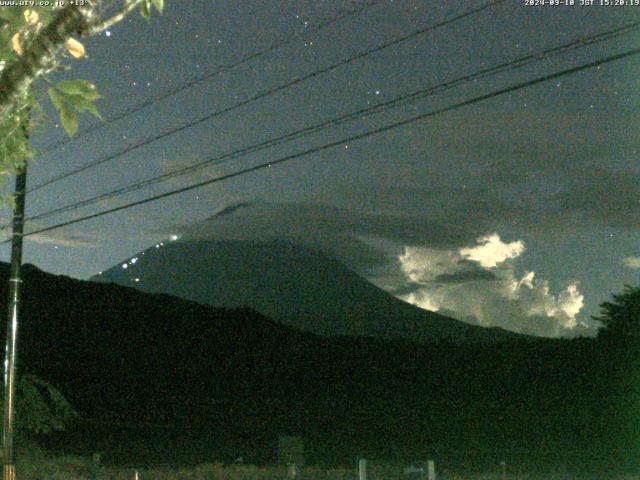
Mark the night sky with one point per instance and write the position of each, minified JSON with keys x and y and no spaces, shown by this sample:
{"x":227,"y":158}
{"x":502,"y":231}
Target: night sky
{"x":518,"y":210}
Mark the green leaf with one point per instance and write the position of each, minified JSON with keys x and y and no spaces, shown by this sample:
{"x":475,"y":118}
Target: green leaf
{"x":42,"y":407}
{"x":6,"y":53}
{"x":78,"y":87}
{"x":68,"y":116}
{"x":14,"y":16}
{"x":145,"y":10}
{"x":46,"y":14}
{"x":159,"y":4}
{"x":69,"y":120}
{"x":56,"y":98}
{"x":82,"y":104}
{"x":78,"y":95}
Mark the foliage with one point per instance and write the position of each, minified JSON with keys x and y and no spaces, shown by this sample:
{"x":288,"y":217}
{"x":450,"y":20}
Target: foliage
{"x":69,"y":467}
{"x":22,"y":29}
{"x":71,"y":96}
{"x":620,"y":317}
{"x":145,"y":8}
{"x":18,"y":26}
{"x":290,"y":450}
{"x":80,"y":468}
{"x":14,"y":148}
{"x":40,"y":407}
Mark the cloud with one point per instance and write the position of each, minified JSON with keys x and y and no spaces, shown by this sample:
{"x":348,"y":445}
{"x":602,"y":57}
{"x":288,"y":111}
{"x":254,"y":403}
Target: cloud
{"x":62,"y":239}
{"x":230,"y":209}
{"x":541,"y":171}
{"x":480,"y":284}
{"x":631,"y":262}
{"x":588,"y":194}
{"x":468,"y":276}
{"x":360,"y":240}
{"x":423,"y":261}
{"x":491,"y":251}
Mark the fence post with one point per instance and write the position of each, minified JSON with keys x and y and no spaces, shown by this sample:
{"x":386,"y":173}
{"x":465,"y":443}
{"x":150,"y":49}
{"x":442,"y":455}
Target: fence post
{"x":431,"y":470}
{"x":362,"y":469}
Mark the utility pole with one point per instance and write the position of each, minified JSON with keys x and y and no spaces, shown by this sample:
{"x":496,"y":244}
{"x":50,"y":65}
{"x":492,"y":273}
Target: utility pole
{"x":9,"y":470}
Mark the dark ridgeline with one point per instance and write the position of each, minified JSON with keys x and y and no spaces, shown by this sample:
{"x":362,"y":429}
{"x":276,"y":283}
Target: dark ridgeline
{"x":293,"y":285}
{"x":159,"y":379}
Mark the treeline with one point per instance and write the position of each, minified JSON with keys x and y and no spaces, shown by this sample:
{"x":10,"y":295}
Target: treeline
{"x":155,"y":379}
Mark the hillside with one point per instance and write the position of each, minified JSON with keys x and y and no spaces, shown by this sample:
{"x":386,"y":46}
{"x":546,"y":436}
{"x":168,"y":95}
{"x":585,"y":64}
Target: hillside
{"x":157,"y":379}
{"x":295,"y":286}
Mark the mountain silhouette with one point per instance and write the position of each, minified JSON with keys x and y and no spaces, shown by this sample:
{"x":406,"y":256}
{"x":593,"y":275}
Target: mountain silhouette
{"x":295,"y":286}
{"x":158,"y":379}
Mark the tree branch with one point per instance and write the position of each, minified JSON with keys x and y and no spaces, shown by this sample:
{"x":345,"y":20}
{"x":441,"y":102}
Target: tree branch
{"x":117,"y":18}
{"x":21,"y":72}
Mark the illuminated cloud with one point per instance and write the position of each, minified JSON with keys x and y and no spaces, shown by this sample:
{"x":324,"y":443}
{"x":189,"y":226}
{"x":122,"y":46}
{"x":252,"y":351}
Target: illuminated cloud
{"x":425,"y":264}
{"x":631,"y":262}
{"x":63,"y":239}
{"x":492,"y":251}
{"x":445,"y":270}
{"x":479,"y":284}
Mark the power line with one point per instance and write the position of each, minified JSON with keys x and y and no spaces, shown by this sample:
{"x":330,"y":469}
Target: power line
{"x":203,"y":78}
{"x":336,"y":143}
{"x":271,"y":91}
{"x":398,"y":101}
